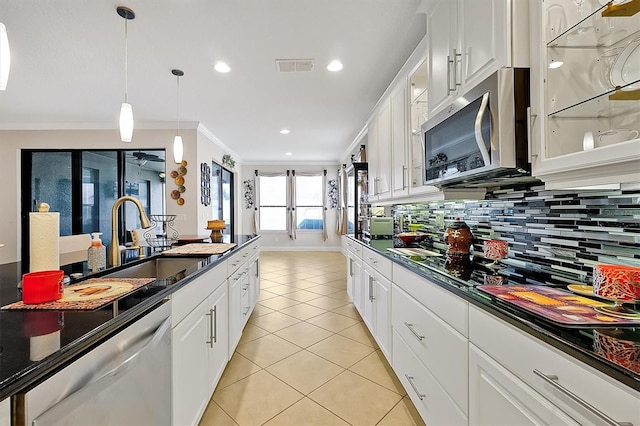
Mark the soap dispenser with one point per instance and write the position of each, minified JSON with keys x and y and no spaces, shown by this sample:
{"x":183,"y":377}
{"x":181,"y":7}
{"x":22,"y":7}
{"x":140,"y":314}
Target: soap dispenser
{"x":97,"y":253}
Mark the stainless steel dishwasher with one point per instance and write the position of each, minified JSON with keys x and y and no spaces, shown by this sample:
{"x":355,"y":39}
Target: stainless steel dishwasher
{"x":124,"y":381}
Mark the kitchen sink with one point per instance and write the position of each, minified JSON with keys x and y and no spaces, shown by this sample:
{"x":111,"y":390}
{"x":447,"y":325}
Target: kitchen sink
{"x":159,"y":268}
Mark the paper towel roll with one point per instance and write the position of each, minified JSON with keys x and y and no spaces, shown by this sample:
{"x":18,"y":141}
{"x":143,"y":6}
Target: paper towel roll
{"x":44,"y":245}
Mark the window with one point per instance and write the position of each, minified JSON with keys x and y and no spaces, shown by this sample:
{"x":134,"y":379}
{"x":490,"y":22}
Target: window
{"x":221,"y":195}
{"x":309,"y":203}
{"x":273,"y":203}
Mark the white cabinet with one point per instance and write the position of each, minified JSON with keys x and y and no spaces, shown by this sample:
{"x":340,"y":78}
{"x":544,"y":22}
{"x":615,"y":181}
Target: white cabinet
{"x":572,"y":388}
{"x":497,"y":397}
{"x":354,"y":279}
{"x":585,"y":113}
{"x":376,"y":302}
{"x":379,"y":141}
{"x":199,"y":344}
{"x":470,"y":40}
{"x":399,"y":142}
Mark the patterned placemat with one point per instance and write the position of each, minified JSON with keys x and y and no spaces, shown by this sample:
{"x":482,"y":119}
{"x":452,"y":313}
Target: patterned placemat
{"x":87,"y":295}
{"x":201,"y":248}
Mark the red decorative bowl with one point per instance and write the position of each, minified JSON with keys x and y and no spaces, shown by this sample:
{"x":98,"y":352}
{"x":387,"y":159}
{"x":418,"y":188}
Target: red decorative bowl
{"x":411,"y":237}
{"x":42,"y":286}
{"x":616,"y":282}
{"x":495,"y":249}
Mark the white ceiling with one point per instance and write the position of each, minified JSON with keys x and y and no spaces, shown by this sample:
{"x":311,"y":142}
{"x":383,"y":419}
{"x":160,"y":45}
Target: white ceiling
{"x":67,"y":68}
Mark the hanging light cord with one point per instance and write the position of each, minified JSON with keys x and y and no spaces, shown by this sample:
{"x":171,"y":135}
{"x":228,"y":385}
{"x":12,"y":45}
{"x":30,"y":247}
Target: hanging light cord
{"x":178,"y":104}
{"x":126,"y":68}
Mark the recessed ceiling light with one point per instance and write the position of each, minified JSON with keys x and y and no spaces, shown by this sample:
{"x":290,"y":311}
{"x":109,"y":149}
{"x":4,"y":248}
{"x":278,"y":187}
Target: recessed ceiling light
{"x":221,"y":67}
{"x":334,"y":65}
{"x":555,"y":64}
{"x":285,"y":131}
{"x":288,"y":153}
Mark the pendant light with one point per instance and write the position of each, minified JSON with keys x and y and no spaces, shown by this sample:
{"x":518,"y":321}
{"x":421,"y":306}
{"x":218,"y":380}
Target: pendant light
{"x":177,"y":141}
{"x":5,"y":57}
{"x":126,"y":111}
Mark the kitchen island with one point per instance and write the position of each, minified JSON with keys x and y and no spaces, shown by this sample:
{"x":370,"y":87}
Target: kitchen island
{"x":467,"y":357}
{"x":22,"y":367}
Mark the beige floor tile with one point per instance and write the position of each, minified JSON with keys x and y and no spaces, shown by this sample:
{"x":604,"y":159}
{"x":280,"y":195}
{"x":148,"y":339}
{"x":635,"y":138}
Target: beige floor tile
{"x":278,"y":303}
{"x":341,"y":295}
{"x":404,"y":413}
{"x":269,"y":275}
{"x":285,"y":279}
{"x":355,"y":399}
{"x":360,"y":334}
{"x":303,"y":334}
{"x":266,"y":294}
{"x":256,"y":399}
{"x":302,"y":295}
{"x":323,"y":279}
{"x":376,"y":368}
{"x":268,"y":284}
{"x":215,"y":416}
{"x":238,"y":368}
{"x":332,"y":321}
{"x":304,"y":371}
{"x":251,"y":332}
{"x":274,"y":321}
{"x":327,"y":302}
{"x":308,"y":413}
{"x":302,"y":284}
{"x":340,"y":350}
{"x":261,"y":309}
{"x":340,"y":284}
{"x":348,"y":311}
{"x":267,"y":350}
{"x":322,"y":289}
{"x":282,"y":289}
{"x":303,"y":311}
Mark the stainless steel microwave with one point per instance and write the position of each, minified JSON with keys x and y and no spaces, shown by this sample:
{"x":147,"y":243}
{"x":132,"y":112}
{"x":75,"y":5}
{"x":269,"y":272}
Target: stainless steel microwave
{"x":482,"y":137}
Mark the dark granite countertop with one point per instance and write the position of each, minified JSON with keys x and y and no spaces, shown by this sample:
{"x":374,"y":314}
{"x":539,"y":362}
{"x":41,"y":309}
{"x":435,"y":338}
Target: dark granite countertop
{"x":27,"y":337}
{"x":462,"y":277}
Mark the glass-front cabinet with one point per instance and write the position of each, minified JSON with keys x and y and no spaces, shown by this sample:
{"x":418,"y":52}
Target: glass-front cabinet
{"x":590,"y":86}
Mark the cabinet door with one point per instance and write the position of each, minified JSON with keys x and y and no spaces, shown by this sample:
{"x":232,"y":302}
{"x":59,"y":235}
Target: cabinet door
{"x":235,"y":311}
{"x":483,"y":29}
{"x":497,"y":397}
{"x":190,"y":357}
{"x":382,"y":301}
{"x":368,"y":311}
{"x":441,"y":22}
{"x":383,"y":178}
{"x":355,"y":277}
{"x":372,"y":157}
{"x":399,"y":142}
{"x":254,"y":281}
{"x":218,"y":335}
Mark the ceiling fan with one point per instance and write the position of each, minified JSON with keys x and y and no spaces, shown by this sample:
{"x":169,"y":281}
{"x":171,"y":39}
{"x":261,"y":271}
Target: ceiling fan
{"x":141,"y":158}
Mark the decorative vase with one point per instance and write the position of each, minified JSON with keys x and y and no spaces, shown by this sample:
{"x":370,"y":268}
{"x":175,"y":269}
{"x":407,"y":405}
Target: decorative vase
{"x":458,"y":238}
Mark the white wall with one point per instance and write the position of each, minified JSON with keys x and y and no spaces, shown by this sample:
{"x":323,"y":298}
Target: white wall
{"x":272,"y":240}
{"x":12,"y":142}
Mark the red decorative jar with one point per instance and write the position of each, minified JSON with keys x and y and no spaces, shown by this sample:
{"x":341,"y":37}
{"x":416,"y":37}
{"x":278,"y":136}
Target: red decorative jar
{"x":458,"y":238}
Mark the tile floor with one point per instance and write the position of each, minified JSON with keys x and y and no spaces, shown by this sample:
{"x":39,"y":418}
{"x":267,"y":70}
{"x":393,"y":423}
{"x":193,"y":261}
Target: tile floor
{"x":306,"y":357}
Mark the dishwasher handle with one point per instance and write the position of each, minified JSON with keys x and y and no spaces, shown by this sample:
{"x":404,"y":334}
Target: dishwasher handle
{"x":84,"y":393}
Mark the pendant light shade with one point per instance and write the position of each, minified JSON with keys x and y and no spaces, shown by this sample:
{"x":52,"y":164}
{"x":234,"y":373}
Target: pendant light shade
{"x":5,"y":57}
{"x":178,"y":148}
{"x":126,"y":111}
{"x":126,"y":122}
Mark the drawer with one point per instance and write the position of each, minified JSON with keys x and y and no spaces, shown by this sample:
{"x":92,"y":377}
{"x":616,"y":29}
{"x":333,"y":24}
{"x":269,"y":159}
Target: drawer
{"x":449,"y":307}
{"x":379,"y":262}
{"x":433,"y":403}
{"x":240,"y":257}
{"x":439,"y":346}
{"x":353,"y":247}
{"x":193,"y":293}
{"x":523,"y":354}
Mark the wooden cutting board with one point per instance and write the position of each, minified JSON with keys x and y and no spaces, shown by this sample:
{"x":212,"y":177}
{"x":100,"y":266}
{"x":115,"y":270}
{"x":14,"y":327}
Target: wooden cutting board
{"x":201,"y":248}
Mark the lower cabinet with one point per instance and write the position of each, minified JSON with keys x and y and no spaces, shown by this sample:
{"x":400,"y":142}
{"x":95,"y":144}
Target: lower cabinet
{"x":199,"y":356}
{"x":497,"y":397}
{"x":376,"y":306}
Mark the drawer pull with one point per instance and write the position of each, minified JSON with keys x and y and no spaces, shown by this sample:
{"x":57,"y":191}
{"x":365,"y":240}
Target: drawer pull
{"x":410,"y":379}
{"x":552,"y":379}
{"x":415,"y":333}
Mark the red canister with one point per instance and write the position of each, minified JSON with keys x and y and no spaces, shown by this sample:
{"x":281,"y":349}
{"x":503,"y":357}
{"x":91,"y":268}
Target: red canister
{"x":42,"y":286}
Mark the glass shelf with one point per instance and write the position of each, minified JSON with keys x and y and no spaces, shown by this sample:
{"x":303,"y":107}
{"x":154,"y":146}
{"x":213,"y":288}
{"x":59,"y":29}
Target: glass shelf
{"x":603,"y":105}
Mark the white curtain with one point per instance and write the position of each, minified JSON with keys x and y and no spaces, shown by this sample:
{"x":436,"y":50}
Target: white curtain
{"x":342,"y":204}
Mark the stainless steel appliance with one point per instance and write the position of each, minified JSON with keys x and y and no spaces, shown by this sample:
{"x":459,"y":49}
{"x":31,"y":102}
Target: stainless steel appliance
{"x":125,"y":380}
{"x":358,"y":207}
{"x":482,"y":137}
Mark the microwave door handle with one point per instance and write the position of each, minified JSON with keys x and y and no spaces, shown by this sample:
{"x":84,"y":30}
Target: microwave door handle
{"x":478,"y":130}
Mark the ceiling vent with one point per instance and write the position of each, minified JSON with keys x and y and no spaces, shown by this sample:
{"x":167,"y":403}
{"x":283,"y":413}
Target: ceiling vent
{"x":294,"y":65}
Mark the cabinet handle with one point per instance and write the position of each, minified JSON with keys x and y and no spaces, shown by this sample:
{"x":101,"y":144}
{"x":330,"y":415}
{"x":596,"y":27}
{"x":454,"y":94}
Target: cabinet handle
{"x":350,"y":267}
{"x":371,"y":298}
{"x":449,"y":62}
{"x":404,"y":177}
{"x":415,"y":333}
{"x":552,"y":379}
{"x":215,"y":324}
{"x":246,"y":311}
{"x":415,"y":389}
{"x":482,"y":147}
{"x":373,"y":260}
{"x":456,"y":55}
{"x":531,"y":119}
{"x":210,"y":315}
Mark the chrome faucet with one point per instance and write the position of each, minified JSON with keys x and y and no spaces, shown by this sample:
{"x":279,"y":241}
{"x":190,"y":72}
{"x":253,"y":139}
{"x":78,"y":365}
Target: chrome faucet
{"x":115,"y":244}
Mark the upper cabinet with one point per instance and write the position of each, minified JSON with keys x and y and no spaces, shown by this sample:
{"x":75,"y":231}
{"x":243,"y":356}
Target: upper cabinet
{"x":586,"y":94}
{"x":469,"y":40}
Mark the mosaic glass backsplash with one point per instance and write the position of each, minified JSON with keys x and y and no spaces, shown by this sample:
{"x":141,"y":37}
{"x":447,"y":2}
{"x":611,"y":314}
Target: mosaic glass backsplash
{"x":554,"y":237}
